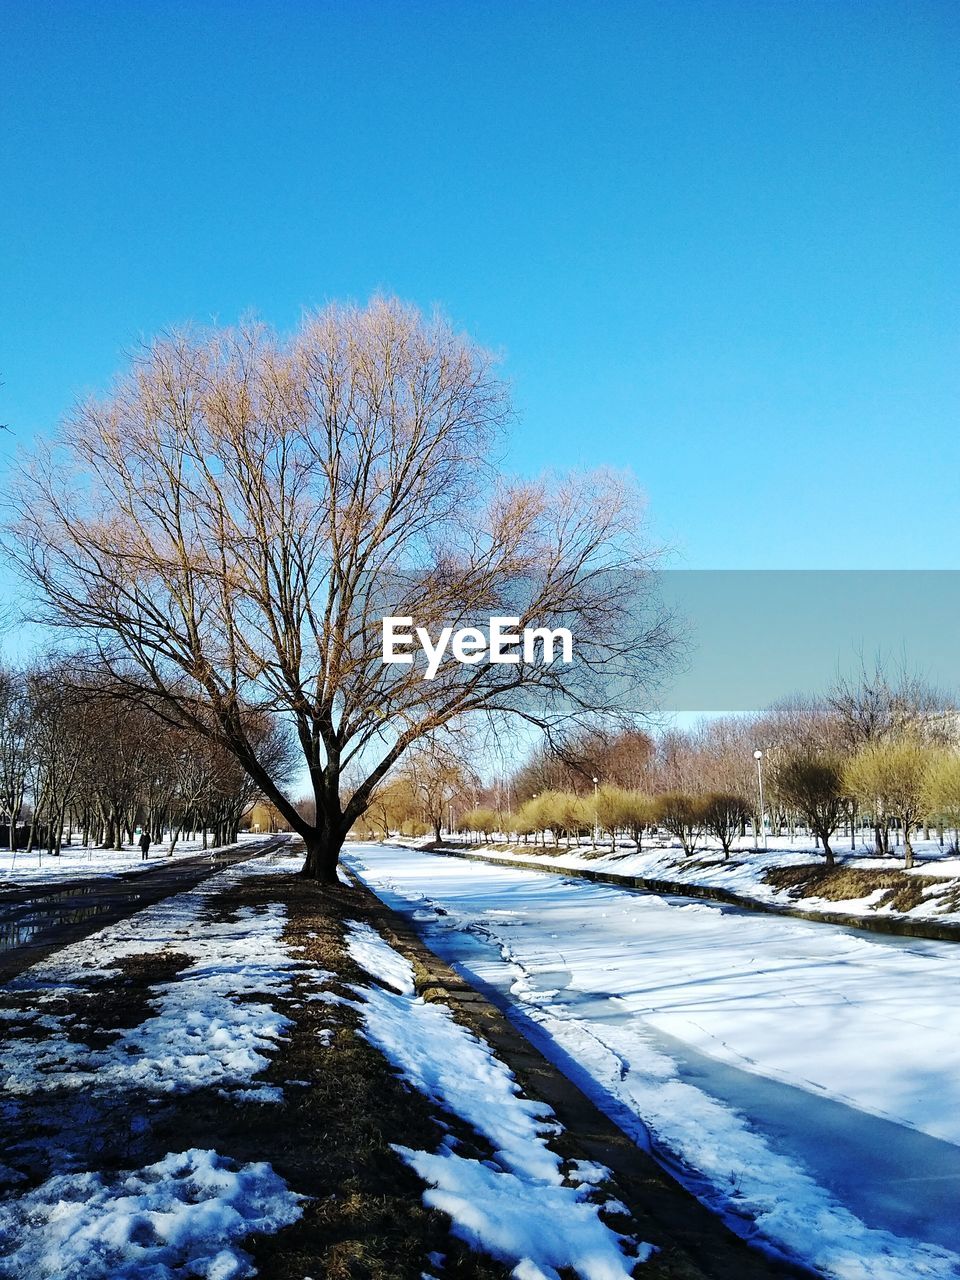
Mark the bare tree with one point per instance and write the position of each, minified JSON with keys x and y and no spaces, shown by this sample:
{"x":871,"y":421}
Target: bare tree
{"x":439,"y":778}
{"x":15,"y":748}
{"x":813,"y":783}
{"x":231,"y":525}
{"x":724,"y":815}
{"x":684,"y":816}
{"x":63,"y":750}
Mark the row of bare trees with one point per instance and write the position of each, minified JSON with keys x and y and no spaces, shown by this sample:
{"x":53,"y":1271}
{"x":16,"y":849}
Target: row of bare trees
{"x":877,"y":752}
{"x":432,"y":785}
{"x":77,"y":760}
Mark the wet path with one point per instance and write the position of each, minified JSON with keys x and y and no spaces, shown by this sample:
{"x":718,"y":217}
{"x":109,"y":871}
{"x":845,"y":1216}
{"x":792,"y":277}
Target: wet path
{"x":38,"y":919}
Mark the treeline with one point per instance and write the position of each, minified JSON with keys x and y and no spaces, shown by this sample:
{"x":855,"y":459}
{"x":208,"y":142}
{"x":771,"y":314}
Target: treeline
{"x":429,"y":791}
{"x":616,"y":813}
{"x":77,"y":759}
{"x":875,"y":756}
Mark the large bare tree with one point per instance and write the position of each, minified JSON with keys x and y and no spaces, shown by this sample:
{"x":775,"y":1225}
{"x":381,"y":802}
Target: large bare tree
{"x":230,"y":525}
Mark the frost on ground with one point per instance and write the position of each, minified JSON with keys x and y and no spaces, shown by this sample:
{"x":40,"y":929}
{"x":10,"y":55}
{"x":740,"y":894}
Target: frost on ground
{"x":183,"y":1215}
{"x":211,"y":1026}
{"x":615,"y":980}
{"x":516,"y":1205}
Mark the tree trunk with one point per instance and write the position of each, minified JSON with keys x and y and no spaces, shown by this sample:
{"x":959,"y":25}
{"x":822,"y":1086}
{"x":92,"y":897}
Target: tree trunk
{"x":828,"y":852}
{"x":323,"y":855}
{"x":907,"y":849}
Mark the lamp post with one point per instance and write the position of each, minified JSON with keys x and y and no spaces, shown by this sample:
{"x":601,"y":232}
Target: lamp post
{"x":758,"y":756}
{"x":596,"y":782}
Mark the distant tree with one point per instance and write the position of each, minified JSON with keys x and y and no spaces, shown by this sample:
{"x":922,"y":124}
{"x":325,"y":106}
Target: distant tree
{"x":813,"y":783}
{"x":392,"y":806}
{"x":612,"y":810}
{"x":942,"y":791}
{"x":482,"y":821}
{"x":552,"y":812}
{"x":17,"y":732}
{"x":875,"y":706}
{"x":724,"y":814}
{"x":526,"y":820}
{"x":892,"y":776}
{"x":640,"y":814}
{"x":684,"y":816}
{"x":569,"y":813}
{"x":438,"y":779}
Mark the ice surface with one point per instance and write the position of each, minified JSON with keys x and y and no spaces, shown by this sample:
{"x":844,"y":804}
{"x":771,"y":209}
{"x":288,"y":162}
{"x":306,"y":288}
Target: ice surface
{"x":604,"y":975}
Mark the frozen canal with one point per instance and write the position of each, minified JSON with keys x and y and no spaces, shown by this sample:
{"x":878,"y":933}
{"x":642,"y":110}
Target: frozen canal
{"x":802,"y":1080}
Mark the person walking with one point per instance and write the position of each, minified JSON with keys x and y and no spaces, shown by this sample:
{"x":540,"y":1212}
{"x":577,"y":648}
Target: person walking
{"x":144,"y":845}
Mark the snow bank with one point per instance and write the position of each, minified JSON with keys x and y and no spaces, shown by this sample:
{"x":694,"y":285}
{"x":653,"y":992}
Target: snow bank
{"x":743,"y":872}
{"x":181,"y":1216}
{"x":372,"y":953}
{"x":518,"y":1207}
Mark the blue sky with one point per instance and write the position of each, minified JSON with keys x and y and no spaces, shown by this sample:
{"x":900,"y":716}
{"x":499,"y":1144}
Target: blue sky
{"x":717,"y":243}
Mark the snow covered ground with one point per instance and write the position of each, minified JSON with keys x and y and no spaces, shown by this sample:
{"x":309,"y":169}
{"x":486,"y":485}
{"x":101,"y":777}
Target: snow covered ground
{"x":211,"y":1025}
{"x":803,"y":1080}
{"x":743,"y":872}
{"x":75,"y":861}
{"x":520,"y":1205}
{"x":215,"y":1024}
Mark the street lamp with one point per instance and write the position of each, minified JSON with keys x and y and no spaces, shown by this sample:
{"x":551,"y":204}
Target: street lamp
{"x":596,"y":829}
{"x":758,"y":756}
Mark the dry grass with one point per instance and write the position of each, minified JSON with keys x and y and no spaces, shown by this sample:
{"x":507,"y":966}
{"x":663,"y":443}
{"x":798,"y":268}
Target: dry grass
{"x":902,"y":892}
{"x":331,"y":1138}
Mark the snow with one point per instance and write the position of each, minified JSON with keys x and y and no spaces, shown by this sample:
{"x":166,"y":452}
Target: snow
{"x":77,"y":862}
{"x":182,"y":1216}
{"x":207,"y":1029}
{"x":379,"y":959}
{"x":628,"y":990}
{"x":743,"y":872}
{"x":214,"y":1024}
{"x":517,"y":1206}
{"x":535,"y":1228}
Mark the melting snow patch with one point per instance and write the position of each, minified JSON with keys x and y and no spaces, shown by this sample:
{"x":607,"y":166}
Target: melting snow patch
{"x":518,"y":1207}
{"x":181,"y":1216}
{"x":379,"y":959}
{"x":209,"y":1029}
{"x":537,"y":1228}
